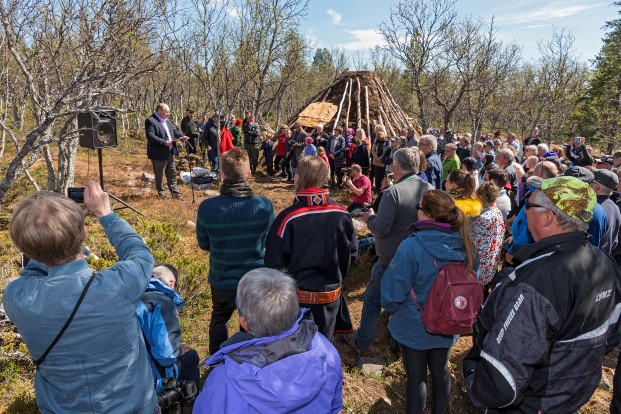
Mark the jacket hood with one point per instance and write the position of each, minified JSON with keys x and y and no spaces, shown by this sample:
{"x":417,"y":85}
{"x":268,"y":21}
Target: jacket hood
{"x":443,"y":246}
{"x":158,"y":286}
{"x":277,"y":374}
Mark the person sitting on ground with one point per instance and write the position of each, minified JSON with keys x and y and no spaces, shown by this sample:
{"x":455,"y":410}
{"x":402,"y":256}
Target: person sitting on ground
{"x":359,"y":188}
{"x":441,"y":235}
{"x":158,"y":313}
{"x":461,"y":186}
{"x":100,"y":362}
{"x":280,"y":364}
{"x":315,"y":241}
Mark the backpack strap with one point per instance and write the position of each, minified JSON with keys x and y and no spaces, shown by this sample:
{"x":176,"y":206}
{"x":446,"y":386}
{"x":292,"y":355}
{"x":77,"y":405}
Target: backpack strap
{"x":73,"y":312}
{"x":415,"y":300}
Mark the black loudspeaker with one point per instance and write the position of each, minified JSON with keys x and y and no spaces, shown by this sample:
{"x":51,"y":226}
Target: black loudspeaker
{"x":97,"y":128}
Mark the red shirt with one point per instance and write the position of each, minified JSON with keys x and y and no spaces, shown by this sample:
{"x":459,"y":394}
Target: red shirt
{"x":282,"y":142}
{"x":362,"y":182}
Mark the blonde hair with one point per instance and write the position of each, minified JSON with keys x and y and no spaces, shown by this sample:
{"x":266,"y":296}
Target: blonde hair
{"x":49,"y":228}
{"x":440,"y":207}
{"x":321,"y":151}
{"x":312,"y":173}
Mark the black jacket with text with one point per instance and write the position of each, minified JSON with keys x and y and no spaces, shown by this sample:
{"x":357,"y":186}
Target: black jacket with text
{"x":540,"y":338}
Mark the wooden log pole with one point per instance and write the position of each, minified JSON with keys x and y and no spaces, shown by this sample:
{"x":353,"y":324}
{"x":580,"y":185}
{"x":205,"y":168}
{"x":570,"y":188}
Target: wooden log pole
{"x":351,"y":86}
{"x":338,"y":114}
{"x":359,"y":117}
{"x":366,"y":98}
{"x":388,"y":123}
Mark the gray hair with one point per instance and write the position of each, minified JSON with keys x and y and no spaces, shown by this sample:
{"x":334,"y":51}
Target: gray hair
{"x":268,"y":300}
{"x":543,"y":147}
{"x":408,"y":159}
{"x":362,"y":133}
{"x":564,"y":221}
{"x":320,"y":126}
{"x":431,"y":140}
{"x":507,"y":155}
{"x":532,"y":148}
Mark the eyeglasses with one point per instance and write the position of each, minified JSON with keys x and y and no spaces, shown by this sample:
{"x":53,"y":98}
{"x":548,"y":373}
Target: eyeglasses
{"x":418,"y":207}
{"x":529,"y":205}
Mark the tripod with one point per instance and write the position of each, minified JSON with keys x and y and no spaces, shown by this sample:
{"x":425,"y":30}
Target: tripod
{"x":101,"y":182}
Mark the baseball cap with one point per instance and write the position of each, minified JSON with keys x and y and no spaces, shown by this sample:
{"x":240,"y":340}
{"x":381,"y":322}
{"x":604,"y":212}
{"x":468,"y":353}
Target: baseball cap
{"x":606,"y":178}
{"x":309,"y":140}
{"x":617,"y":154}
{"x":581,"y":173}
{"x":188,"y":109}
{"x":489,"y":144}
{"x":606,"y":159}
{"x":571,"y":195}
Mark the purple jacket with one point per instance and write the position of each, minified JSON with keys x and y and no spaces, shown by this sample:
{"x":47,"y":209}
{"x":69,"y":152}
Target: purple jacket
{"x":298,"y":371}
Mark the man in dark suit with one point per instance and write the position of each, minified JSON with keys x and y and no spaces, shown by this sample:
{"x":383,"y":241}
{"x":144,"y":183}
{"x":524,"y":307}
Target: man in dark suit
{"x":162,"y":139}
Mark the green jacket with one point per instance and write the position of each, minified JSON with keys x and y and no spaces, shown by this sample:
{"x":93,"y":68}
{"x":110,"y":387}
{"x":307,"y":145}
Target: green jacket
{"x":450,"y":164}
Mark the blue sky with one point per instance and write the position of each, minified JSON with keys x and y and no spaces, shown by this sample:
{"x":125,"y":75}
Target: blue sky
{"x":352,"y":24}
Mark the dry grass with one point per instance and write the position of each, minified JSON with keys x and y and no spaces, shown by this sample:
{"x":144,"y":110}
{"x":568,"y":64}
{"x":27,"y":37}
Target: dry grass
{"x":123,"y":167}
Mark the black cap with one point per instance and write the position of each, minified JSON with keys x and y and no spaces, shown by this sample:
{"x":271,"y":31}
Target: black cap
{"x":581,"y":173}
{"x":188,"y":109}
{"x":606,"y":178}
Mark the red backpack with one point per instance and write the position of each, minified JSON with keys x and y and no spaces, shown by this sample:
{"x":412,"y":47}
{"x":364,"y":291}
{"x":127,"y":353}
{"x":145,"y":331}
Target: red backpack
{"x":453,"y":301}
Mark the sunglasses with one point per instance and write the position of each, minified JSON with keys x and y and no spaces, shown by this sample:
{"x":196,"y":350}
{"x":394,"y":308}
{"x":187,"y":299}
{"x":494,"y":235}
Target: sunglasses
{"x":529,"y":205}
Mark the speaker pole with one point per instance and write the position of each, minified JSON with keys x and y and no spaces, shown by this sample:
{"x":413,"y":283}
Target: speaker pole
{"x":101,"y":176}
{"x":101,"y":182}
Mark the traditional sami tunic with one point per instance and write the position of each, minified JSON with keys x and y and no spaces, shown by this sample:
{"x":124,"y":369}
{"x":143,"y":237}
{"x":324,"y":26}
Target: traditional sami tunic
{"x":315,"y":241}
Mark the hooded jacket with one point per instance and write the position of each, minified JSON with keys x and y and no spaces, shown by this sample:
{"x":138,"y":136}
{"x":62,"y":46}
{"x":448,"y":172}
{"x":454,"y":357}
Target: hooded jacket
{"x":413,"y":267}
{"x":298,"y":371}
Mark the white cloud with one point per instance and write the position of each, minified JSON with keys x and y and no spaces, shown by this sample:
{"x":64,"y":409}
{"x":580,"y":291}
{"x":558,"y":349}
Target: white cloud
{"x":334,"y":15}
{"x":550,"y":11}
{"x":362,"y":39}
{"x":233,"y":12}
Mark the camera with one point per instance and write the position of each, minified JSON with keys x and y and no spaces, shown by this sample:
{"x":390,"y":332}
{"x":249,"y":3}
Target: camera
{"x":346,"y":171}
{"x":576,"y":139}
{"x":76,"y":194}
{"x":176,"y":392}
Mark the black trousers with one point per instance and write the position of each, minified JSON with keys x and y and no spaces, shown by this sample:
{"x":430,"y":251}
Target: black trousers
{"x":187,"y":363}
{"x":415,"y":363}
{"x":269,"y":164}
{"x":223,"y":306}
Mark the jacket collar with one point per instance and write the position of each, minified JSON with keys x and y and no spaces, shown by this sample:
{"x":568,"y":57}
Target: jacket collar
{"x":559,"y":242}
{"x":157,"y":286}
{"x":68,"y":268}
{"x":313,"y":197}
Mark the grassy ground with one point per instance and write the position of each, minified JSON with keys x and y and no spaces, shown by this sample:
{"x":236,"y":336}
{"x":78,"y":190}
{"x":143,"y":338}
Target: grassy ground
{"x":167,"y":227}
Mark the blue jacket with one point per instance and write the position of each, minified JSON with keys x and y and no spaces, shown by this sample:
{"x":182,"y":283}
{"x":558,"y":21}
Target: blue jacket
{"x":413,"y":266}
{"x":158,"y":316}
{"x":298,"y":371}
{"x":100,"y":364}
{"x":434,"y":170}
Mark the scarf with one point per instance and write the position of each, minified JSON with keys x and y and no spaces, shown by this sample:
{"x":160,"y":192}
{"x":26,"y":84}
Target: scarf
{"x":431,"y":225}
{"x":236,"y":188}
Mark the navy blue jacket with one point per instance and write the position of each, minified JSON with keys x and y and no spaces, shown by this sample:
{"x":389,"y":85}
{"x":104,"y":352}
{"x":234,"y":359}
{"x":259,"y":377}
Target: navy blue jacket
{"x":156,"y":138}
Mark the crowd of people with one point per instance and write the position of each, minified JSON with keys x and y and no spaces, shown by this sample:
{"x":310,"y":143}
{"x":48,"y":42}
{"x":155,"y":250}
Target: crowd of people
{"x":538,"y":227}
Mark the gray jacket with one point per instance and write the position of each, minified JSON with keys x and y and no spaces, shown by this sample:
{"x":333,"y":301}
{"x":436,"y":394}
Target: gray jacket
{"x":397,"y":211}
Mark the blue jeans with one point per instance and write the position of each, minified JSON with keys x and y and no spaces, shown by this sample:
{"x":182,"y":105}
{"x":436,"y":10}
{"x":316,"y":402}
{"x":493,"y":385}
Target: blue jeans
{"x":371,"y":308}
{"x":213,"y":157}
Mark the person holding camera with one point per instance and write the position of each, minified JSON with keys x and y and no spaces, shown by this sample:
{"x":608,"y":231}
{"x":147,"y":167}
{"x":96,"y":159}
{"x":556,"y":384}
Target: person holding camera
{"x":280,"y":364}
{"x":359,"y":186}
{"x":79,"y":324}
{"x":576,"y":151}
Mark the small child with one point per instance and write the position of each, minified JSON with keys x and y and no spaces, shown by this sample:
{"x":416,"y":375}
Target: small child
{"x":267,"y":146}
{"x":310,"y":148}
